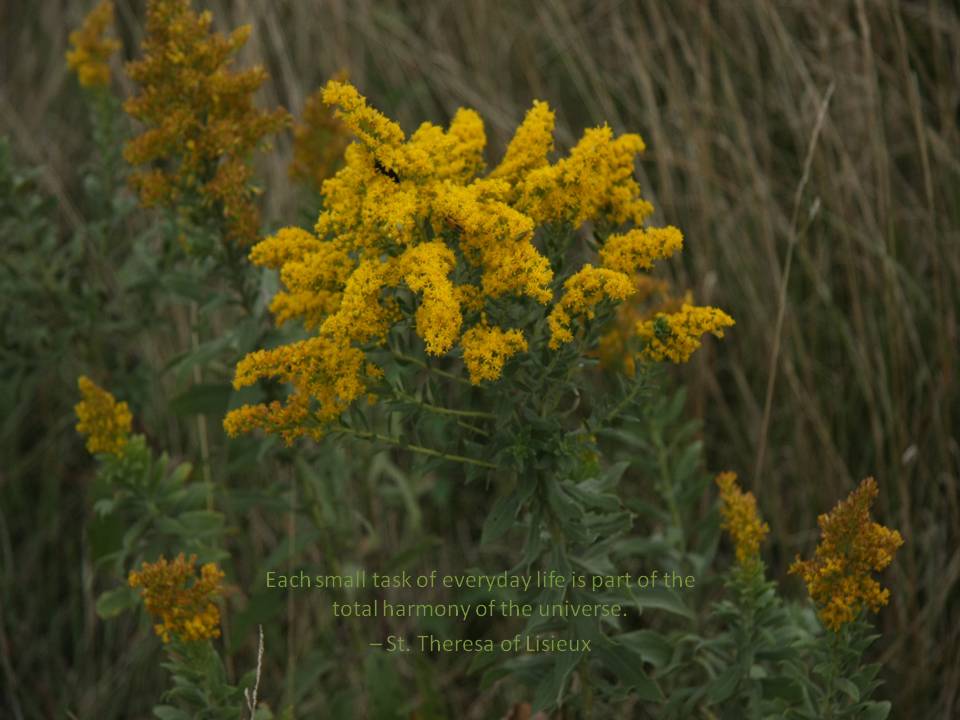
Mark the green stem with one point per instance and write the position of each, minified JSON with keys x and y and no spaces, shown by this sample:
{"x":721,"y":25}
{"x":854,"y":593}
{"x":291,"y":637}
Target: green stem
{"x":620,"y":406}
{"x":331,"y":556}
{"x":437,"y":371}
{"x":413,"y":448}
{"x":668,"y":492}
{"x":827,"y":713}
{"x":439,"y":410}
{"x":474,"y":428}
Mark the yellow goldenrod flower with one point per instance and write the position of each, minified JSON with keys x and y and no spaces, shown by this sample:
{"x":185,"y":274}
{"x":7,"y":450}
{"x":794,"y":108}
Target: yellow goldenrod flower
{"x":638,"y":249}
{"x":582,"y":292}
{"x":181,"y":603}
{"x":741,"y":519}
{"x":90,"y":55}
{"x":676,"y":336}
{"x":851,"y":547}
{"x":325,"y":370}
{"x":616,"y":347}
{"x":319,"y":141}
{"x":373,"y":129}
{"x":199,"y":121}
{"x":456,"y":154}
{"x":425,"y":269}
{"x":410,"y":231}
{"x":594,"y":182}
{"x":497,"y":238}
{"x":312,"y":271}
{"x":104,"y":421}
{"x":531,"y":144}
{"x":486,"y":349}
{"x":468,"y":139}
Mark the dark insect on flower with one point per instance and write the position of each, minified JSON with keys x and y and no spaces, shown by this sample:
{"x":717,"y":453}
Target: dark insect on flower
{"x":384,"y":170}
{"x":661,"y":328}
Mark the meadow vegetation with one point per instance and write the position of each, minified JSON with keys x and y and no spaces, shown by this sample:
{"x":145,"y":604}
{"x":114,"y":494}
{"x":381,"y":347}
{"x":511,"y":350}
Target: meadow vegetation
{"x":298,"y":328}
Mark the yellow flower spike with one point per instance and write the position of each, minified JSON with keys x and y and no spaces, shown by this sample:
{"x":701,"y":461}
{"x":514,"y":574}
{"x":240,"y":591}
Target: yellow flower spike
{"x":582,"y":292}
{"x":468,"y":140}
{"x":90,"y":53}
{"x":741,"y":520}
{"x":851,"y":547}
{"x":639,"y":248}
{"x":434,"y":155}
{"x":486,"y":350}
{"x":531,"y":144}
{"x":346,"y":196}
{"x":325,"y":370}
{"x":361,"y":317}
{"x":425,"y":269}
{"x":497,"y":238}
{"x":290,"y":244}
{"x":104,"y":421}
{"x":182,"y":603}
{"x":594,"y":182}
{"x":676,"y":336}
{"x":382,"y":136}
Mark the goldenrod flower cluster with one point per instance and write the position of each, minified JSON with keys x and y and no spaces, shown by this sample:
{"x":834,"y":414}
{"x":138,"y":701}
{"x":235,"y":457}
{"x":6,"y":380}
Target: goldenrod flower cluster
{"x":416,"y":222}
{"x":199,"y":118}
{"x":319,"y":140}
{"x":676,"y":336}
{"x":851,"y":547}
{"x":486,"y":350}
{"x":89,"y":56}
{"x":741,"y":520}
{"x":583,"y":292}
{"x":104,"y":421}
{"x":594,"y":182}
{"x":180,"y":602}
{"x":616,"y":347}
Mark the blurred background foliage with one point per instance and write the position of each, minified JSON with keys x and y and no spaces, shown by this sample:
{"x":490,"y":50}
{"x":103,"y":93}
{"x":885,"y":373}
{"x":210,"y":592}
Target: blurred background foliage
{"x":858,"y":377}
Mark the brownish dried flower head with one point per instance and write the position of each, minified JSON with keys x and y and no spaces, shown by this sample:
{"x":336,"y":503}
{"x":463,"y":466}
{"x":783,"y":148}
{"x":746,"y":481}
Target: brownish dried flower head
{"x":89,"y":55}
{"x":200,"y":124}
{"x":181,"y":603}
{"x":851,"y":547}
{"x":741,"y":519}
{"x":104,"y":421}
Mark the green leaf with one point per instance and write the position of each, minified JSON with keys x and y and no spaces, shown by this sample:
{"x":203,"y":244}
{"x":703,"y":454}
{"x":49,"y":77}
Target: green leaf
{"x":384,"y":689}
{"x":113,"y":602}
{"x":610,"y":477}
{"x":181,"y":473}
{"x":627,"y":665}
{"x":505,"y":509}
{"x":653,"y":647}
{"x":202,"y":355}
{"x":168,"y":712}
{"x":876,"y":710}
{"x":663,"y":598}
{"x":104,"y":506}
{"x":550,"y":690}
{"x":203,"y":399}
{"x":265,"y":604}
{"x":849,"y":688}
{"x":591,"y":496}
{"x":201,"y":522}
{"x":782,"y":688}
{"x":724,"y":685}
